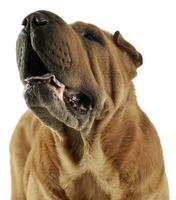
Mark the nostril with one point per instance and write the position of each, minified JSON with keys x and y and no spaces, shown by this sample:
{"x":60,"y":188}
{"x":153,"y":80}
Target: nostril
{"x":25,"y":22}
{"x":40,"y":20}
{"x":33,"y":21}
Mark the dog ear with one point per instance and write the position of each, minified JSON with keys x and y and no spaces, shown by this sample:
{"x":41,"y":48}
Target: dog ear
{"x":135,"y":56}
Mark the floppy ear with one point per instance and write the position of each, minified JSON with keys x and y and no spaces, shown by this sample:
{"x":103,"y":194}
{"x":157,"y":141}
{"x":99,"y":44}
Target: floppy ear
{"x":135,"y":56}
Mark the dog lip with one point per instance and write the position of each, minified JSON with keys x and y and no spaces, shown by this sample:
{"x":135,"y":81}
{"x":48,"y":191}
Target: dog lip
{"x":78,"y":102}
{"x":43,"y":77}
{"x":50,"y":80}
{"x":46,"y":77}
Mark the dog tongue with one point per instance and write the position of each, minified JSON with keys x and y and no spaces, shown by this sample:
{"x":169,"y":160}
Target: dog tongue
{"x":56,"y":85}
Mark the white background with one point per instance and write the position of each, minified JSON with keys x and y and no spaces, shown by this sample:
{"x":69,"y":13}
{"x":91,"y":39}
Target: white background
{"x":150,"y":25}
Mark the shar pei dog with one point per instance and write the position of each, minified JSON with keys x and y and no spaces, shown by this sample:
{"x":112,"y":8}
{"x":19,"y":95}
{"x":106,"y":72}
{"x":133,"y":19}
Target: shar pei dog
{"x":84,"y":136}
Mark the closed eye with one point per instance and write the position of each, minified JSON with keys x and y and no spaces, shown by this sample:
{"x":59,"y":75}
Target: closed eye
{"x":91,"y":36}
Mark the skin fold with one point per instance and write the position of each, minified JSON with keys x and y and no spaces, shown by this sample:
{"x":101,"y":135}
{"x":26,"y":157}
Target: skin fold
{"x":84,"y":136}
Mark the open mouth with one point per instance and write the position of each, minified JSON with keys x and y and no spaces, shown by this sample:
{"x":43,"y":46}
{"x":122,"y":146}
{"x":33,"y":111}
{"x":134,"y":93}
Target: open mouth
{"x":36,"y":72}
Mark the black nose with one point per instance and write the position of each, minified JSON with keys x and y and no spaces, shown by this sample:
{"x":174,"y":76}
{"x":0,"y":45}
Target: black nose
{"x":34,"y":20}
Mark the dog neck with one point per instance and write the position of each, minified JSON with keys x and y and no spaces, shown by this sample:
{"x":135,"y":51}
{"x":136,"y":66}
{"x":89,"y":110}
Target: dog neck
{"x":108,"y":132}
{"x":76,"y":155}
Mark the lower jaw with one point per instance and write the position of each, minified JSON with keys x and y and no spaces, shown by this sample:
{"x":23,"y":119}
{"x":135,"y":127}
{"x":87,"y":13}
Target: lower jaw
{"x":48,"y":107}
{"x":78,"y":102}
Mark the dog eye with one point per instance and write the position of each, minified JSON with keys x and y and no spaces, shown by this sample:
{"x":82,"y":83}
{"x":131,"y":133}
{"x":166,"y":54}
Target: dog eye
{"x":91,"y":36}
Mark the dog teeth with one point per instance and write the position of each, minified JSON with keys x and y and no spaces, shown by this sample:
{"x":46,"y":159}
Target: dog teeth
{"x":77,"y":107}
{"x":74,"y":98}
{"x":74,"y":105}
{"x":82,"y":108}
{"x":91,"y":108}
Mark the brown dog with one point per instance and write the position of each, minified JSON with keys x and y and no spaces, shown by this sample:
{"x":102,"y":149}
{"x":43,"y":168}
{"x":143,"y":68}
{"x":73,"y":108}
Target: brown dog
{"x":85,"y":137}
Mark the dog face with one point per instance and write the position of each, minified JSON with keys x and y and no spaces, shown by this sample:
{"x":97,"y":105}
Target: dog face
{"x":74,"y":74}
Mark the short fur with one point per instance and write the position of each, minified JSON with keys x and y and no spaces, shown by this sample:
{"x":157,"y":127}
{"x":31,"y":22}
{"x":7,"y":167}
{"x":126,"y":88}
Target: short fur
{"x":114,"y":155}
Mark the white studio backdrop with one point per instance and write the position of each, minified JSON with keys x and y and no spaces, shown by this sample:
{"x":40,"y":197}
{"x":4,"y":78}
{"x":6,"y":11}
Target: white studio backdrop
{"x":149,"y":25}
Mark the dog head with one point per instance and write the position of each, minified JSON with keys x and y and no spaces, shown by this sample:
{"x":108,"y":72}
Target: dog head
{"x":74,"y":74}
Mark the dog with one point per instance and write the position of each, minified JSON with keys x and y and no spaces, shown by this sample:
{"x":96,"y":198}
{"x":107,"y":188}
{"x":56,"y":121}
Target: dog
{"x":84,"y":136}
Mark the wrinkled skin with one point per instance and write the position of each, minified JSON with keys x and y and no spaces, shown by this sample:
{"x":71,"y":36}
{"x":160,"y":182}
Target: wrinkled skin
{"x":85,"y":136}
{"x":67,"y":54}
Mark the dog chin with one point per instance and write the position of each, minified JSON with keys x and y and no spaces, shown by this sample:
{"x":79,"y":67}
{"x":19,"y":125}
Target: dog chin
{"x":51,"y":105}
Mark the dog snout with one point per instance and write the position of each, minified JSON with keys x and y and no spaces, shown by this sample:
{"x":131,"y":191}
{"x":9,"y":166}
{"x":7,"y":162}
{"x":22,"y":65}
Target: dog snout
{"x":34,"y":20}
{"x":40,"y":19}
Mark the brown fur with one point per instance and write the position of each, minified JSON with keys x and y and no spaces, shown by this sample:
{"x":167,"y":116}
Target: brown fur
{"x":119,"y":159}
